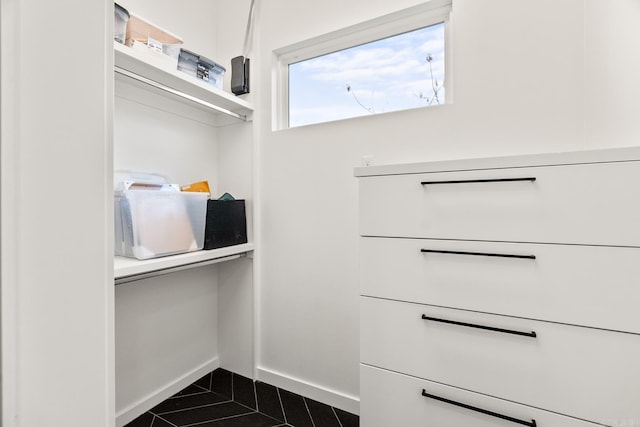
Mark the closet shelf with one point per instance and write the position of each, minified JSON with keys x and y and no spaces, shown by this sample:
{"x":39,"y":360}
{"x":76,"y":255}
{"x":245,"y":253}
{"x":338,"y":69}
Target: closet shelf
{"x":140,"y":68}
{"x":130,"y":269}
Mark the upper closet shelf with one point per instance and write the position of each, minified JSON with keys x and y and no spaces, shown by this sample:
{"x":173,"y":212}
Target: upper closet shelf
{"x":138,"y":66}
{"x":130,"y":269}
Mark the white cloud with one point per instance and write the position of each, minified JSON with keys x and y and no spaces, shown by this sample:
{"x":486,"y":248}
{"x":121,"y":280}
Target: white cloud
{"x":375,"y":65}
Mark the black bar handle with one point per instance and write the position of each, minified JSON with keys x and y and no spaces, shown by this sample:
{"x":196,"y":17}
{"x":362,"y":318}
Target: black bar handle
{"x":435,"y":251}
{"x":531,"y":334}
{"x":474,"y":181}
{"x":531,"y":423}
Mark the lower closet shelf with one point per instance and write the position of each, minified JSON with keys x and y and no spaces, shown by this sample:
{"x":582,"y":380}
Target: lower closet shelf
{"x":130,"y":269}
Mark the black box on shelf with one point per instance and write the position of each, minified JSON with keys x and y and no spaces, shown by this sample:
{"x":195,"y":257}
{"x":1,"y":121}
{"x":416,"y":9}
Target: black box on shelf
{"x":226,"y":224}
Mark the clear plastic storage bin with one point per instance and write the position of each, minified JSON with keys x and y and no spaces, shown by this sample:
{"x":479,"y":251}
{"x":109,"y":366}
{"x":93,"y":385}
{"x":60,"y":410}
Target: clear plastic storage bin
{"x":154,"y":223}
{"x":121,"y":16}
{"x":201,"y":68}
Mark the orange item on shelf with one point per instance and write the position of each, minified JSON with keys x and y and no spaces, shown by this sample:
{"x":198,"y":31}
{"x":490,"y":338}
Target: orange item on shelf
{"x":197,"y":187}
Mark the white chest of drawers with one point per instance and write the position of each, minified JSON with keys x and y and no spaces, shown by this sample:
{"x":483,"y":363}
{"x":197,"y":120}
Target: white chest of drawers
{"x":499,"y":292}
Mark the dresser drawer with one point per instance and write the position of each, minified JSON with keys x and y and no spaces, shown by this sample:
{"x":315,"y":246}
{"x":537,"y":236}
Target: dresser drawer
{"x":559,"y":369}
{"x":390,"y":399}
{"x":582,"y":285}
{"x":585,"y":204}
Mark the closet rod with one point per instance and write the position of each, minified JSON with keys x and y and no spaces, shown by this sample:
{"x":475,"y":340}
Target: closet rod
{"x":161,"y":272}
{"x":175,"y":92}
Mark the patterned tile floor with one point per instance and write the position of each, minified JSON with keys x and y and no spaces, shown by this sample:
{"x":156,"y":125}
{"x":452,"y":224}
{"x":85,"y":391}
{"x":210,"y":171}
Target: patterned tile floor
{"x":224,"y":399}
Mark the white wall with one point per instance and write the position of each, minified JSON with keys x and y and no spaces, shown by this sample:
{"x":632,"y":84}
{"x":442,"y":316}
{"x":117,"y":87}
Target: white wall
{"x":518,"y":87}
{"x":236,"y":320}
{"x":57,"y":277}
{"x":612,"y":61}
{"x":165,"y":329}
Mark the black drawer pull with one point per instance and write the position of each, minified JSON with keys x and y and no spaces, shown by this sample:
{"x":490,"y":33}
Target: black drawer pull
{"x":477,"y":254}
{"x":531,"y":334}
{"x":474,"y":181}
{"x":531,"y":423}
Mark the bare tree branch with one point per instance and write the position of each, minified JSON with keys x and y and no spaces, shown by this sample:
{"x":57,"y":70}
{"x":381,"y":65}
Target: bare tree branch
{"x":434,"y":82}
{"x":370,"y":110}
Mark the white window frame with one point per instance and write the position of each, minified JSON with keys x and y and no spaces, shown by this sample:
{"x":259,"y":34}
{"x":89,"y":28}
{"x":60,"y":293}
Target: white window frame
{"x":413,"y":18}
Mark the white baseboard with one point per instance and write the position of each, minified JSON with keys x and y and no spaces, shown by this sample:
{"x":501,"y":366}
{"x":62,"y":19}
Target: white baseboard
{"x":138,"y":408}
{"x":313,"y":391}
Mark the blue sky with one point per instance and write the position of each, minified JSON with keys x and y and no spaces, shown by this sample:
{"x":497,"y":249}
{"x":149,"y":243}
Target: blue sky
{"x":386,"y":75}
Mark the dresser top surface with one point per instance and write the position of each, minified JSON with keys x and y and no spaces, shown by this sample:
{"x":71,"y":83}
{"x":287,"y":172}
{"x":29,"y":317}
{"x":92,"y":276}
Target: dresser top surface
{"x":625,"y":154}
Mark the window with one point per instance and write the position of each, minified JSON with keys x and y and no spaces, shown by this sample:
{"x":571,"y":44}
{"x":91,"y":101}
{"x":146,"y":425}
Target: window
{"x":393,"y":63}
{"x":397,"y":73}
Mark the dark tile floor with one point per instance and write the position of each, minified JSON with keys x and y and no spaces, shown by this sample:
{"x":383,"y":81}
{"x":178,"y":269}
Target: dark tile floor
{"x":224,"y":399}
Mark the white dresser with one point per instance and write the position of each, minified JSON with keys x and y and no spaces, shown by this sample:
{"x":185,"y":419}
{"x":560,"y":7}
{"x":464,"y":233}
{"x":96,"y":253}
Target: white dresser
{"x":501,"y":291}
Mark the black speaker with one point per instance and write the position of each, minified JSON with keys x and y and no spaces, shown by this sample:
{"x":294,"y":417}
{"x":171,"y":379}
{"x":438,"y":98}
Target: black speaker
{"x":226,"y":224}
{"x":240,"y":75}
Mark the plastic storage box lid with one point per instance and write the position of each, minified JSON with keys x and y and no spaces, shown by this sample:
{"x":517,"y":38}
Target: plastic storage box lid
{"x":121,"y":11}
{"x":187,"y":55}
{"x":121,"y":176}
